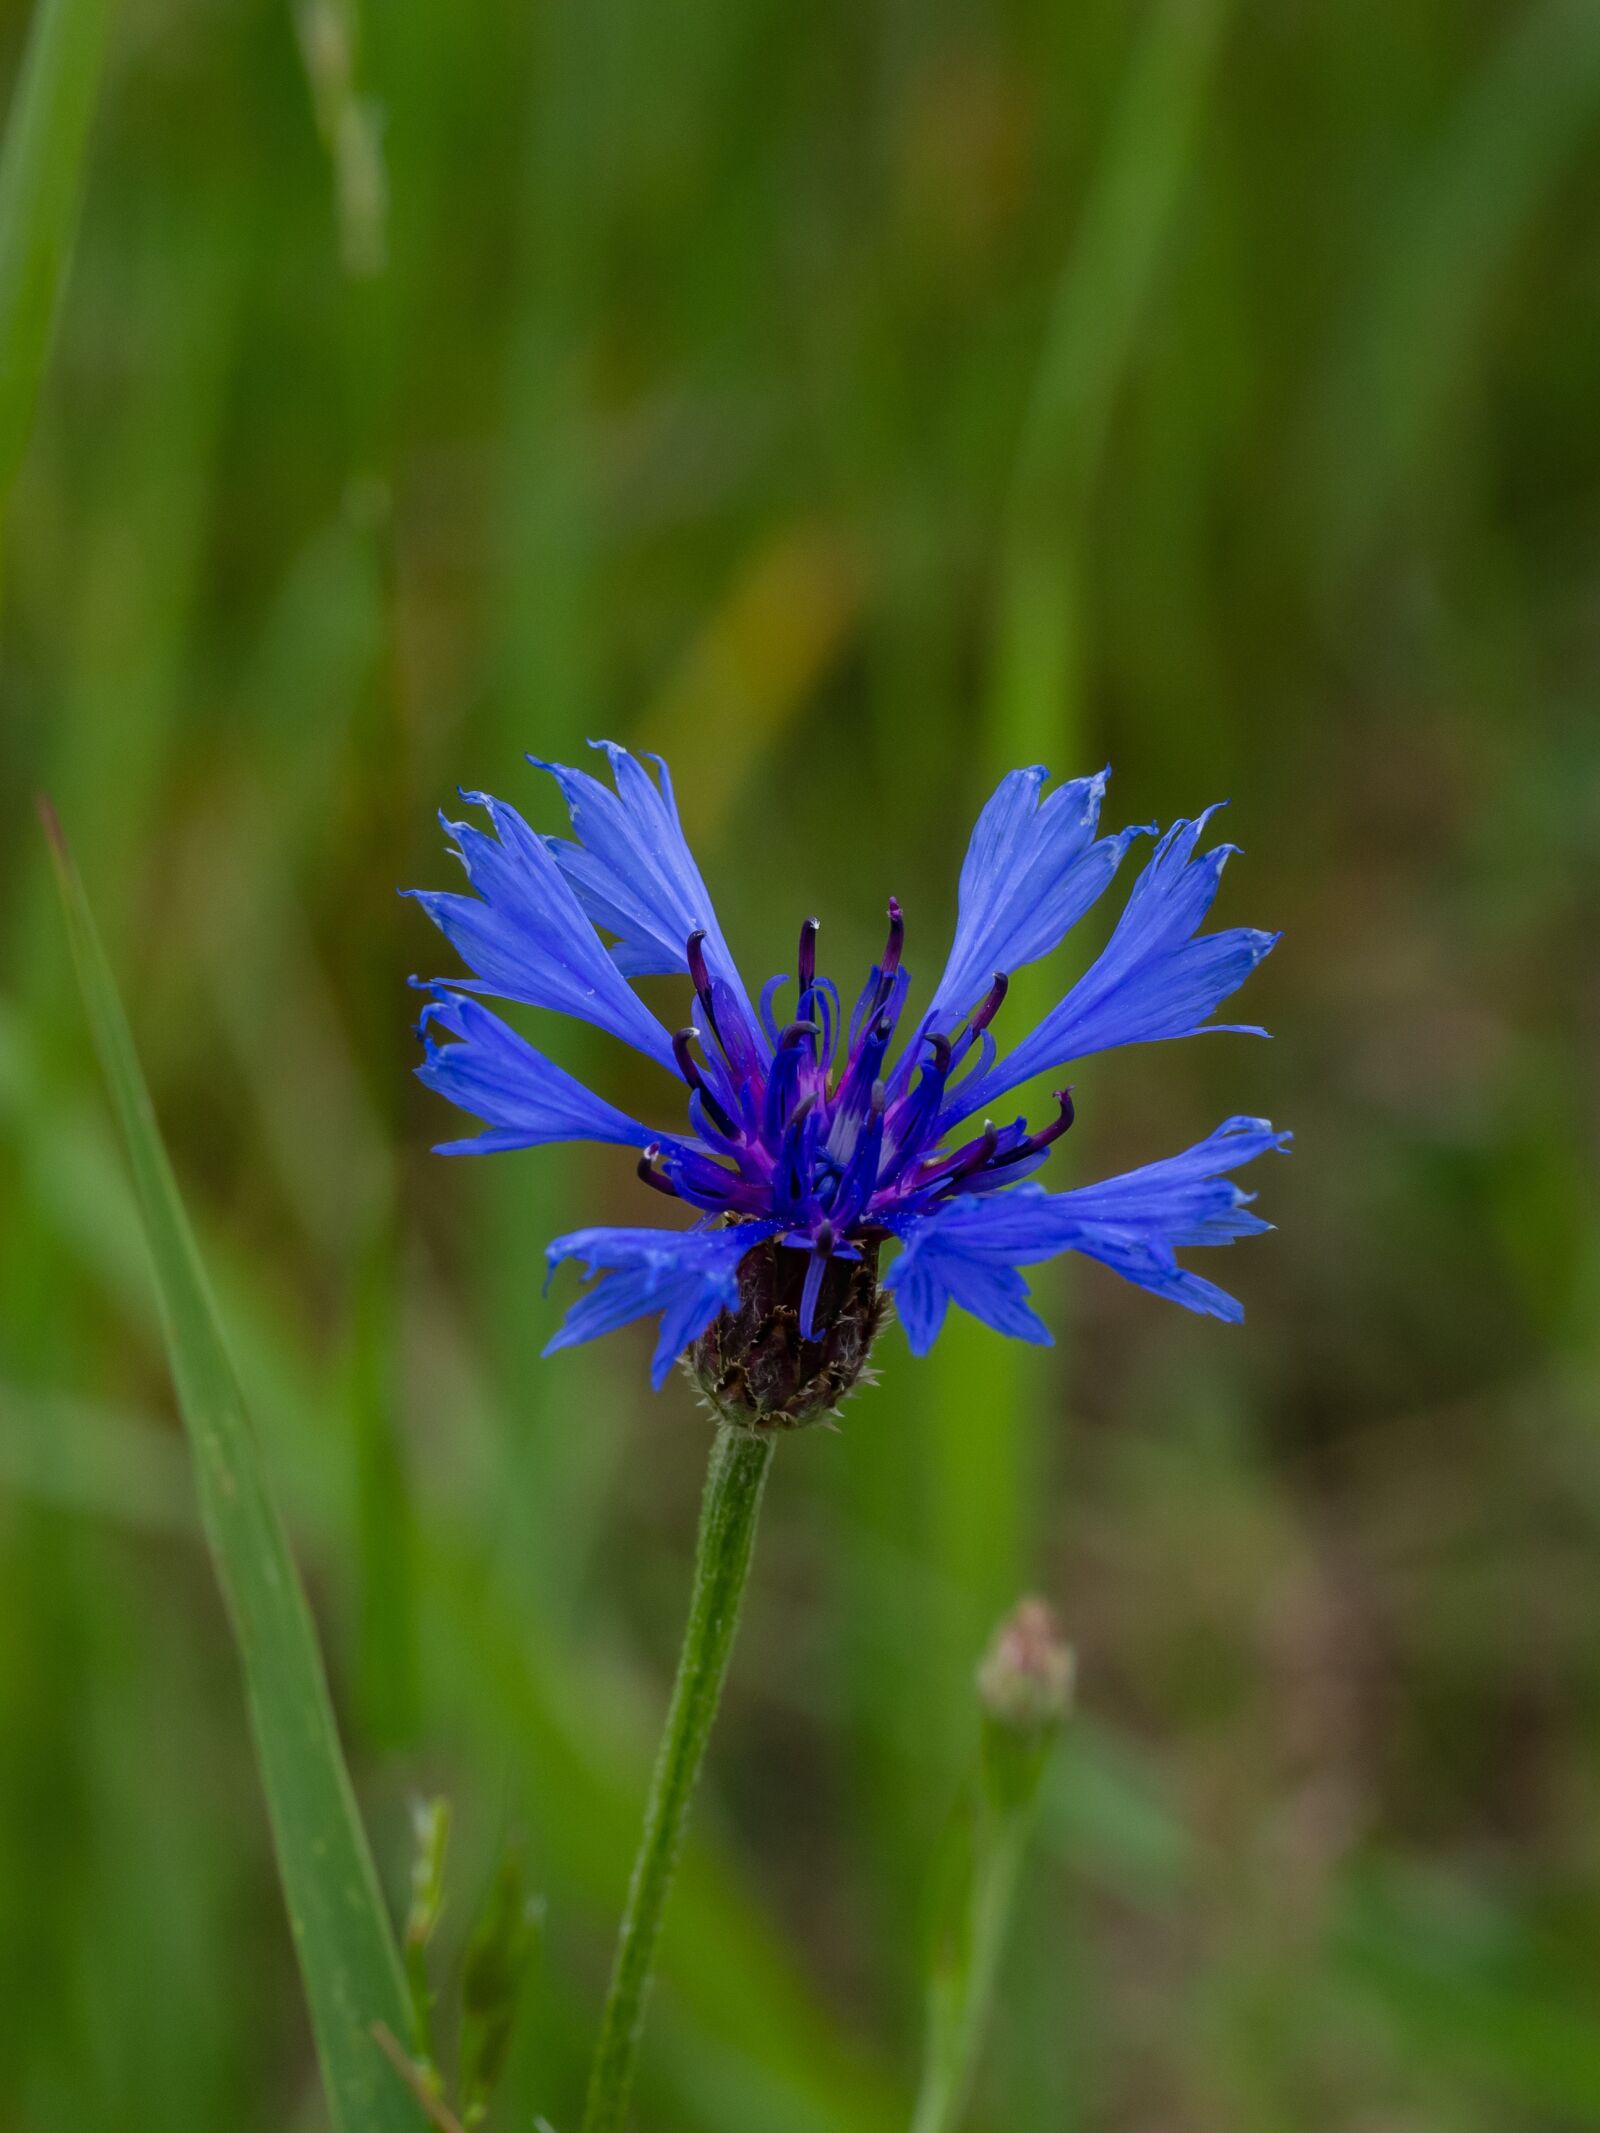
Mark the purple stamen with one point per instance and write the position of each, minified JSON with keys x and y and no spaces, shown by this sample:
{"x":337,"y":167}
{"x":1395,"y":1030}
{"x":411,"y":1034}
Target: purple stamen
{"x":897,"y":938}
{"x":977,"y":1029}
{"x":700,"y":977}
{"x":992,"y":1003}
{"x":915,"y":1115}
{"x":649,"y":1174}
{"x":689,"y":1067}
{"x":860,"y":1176}
{"x":708,"y":1184}
{"x":821,"y":1252}
{"x":783,"y":1081}
{"x":856,"y":1087}
{"x":769,"y":993}
{"x":1059,"y":1124}
{"x":972,"y":1157}
{"x":823,"y":998}
{"x":808,"y":954}
{"x":792,"y":1171}
{"x":1036,"y":1143}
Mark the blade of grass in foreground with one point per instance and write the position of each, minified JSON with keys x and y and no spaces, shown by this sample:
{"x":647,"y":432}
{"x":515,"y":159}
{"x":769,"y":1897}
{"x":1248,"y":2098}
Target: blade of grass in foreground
{"x":41,"y":178}
{"x":342,"y":1933}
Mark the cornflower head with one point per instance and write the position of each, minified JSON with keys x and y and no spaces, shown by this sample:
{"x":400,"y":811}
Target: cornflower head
{"x":818,"y":1135}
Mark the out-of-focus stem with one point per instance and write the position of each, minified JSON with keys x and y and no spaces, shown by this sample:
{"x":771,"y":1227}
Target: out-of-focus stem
{"x":960,"y":1997}
{"x":1024,"y":1687}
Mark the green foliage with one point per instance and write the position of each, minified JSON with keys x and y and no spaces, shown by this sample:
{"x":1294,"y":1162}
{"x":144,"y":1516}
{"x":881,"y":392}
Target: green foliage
{"x":341,"y":1930}
{"x":848,"y":403}
{"x":1024,"y":1686}
{"x":494,"y":1974}
{"x":430,"y":1836}
{"x":41,"y":178}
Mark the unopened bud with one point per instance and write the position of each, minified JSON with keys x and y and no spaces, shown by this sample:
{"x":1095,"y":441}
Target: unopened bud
{"x":1025,"y":1679}
{"x":499,"y":1956}
{"x":430,"y":1831}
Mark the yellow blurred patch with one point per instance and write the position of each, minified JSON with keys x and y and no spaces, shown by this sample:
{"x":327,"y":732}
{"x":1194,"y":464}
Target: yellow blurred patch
{"x":783,"y":623}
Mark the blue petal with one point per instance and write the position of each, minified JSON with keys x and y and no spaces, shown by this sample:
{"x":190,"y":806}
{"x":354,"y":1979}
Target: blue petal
{"x":634,"y":873}
{"x":689,"y":1276}
{"x":526,"y":1100}
{"x":1188,"y":1198}
{"x":1031,"y":872}
{"x":526,"y":934}
{"x":937,"y":1269}
{"x":1154,"y":979}
{"x":921,"y":1299}
{"x":969,"y":1251}
{"x":1150,"y":1268}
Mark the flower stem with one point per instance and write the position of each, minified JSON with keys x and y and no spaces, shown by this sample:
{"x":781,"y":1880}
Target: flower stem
{"x":961,"y":1992}
{"x":738,"y":1473}
{"x":1024,"y":1688}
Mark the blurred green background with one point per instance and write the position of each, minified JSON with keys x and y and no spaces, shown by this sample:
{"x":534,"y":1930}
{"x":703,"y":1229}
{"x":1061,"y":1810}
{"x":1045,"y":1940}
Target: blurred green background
{"x":850,"y":403}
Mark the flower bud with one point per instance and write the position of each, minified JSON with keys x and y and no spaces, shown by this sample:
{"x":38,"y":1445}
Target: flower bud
{"x":1025,"y":1679}
{"x":752,"y":1364}
{"x":1025,"y":1688}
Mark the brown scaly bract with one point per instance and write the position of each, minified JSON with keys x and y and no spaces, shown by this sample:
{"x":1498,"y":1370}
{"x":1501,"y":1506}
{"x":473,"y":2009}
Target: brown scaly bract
{"x":751,"y":1363}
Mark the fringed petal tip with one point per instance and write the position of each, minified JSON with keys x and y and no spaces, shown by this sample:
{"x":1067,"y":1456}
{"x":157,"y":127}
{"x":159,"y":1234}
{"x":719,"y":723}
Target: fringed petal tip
{"x":971,"y":1250}
{"x":524,"y":1099}
{"x":1033,"y":868}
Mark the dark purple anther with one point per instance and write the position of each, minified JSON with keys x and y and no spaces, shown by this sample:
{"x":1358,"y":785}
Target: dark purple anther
{"x":808,"y":956}
{"x":689,"y":1067}
{"x":796,"y":1034}
{"x":897,"y":938}
{"x":1060,"y":1123}
{"x":699,"y":969}
{"x":975,"y":1154}
{"x":651,"y":1176}
{"x":992,"y":1003}
{"x":1036,"y":1142}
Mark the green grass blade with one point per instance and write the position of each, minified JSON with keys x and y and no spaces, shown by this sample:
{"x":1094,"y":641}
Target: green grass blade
{"x":342,"y":1933}
{"x":41,"y":178}
{"x":1102,"y":296}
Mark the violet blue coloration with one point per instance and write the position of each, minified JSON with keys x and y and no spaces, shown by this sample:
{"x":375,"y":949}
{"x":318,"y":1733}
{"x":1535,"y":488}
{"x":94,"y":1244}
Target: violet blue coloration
{"x":823,"y":1133}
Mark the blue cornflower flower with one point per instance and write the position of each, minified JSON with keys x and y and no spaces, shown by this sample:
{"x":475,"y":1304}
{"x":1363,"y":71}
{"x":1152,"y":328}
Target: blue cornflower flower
{"x":813,"y":1143}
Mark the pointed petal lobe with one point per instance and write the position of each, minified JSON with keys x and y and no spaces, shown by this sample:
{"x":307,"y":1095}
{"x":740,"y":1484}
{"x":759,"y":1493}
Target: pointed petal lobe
{"x":689,"y":1276}
{"x":1156,"y":977}
{"x":634,"y":874}
{"x":524,"y":1099}
{"x":526,"y":936}
{"x":969,"y":1251}
{"x":1033,"y":868}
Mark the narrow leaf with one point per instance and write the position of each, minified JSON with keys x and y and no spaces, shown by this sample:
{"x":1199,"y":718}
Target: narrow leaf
{"x":41,"y":178}
{"x":342,"y":1934}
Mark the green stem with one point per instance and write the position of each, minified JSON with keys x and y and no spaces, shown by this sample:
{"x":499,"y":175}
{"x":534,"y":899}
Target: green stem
{"x":739,"y":1462}
{"x":961,"y":1992}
